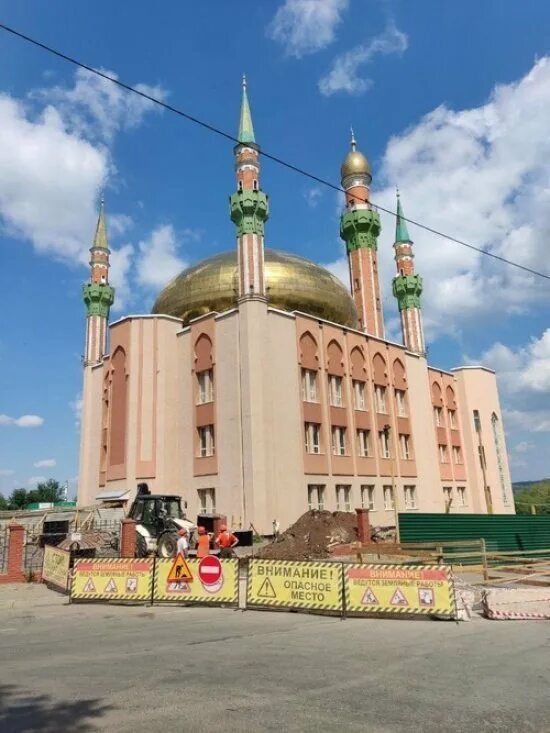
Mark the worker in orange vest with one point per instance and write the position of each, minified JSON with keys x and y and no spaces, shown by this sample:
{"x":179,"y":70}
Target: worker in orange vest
{"x":203,"y":543}
{"x":226,"y":541}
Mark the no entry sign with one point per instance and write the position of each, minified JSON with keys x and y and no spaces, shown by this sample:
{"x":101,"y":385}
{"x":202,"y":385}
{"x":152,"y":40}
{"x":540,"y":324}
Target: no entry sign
{"x":210,"y":571}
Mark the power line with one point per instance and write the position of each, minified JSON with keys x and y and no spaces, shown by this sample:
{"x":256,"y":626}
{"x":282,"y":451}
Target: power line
{"x":269,"y":156}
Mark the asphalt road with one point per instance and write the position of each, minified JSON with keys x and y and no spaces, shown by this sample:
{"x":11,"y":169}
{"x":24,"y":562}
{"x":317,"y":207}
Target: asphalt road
{"x":111,"y":668}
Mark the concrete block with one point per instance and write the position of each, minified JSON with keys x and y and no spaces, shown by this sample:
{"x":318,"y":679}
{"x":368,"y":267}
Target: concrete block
{"x":517,"y":603}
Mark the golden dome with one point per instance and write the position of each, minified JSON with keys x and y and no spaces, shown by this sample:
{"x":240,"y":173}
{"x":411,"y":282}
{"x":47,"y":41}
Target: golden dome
{"x":355,"y":163}
{"x":293,"y":284}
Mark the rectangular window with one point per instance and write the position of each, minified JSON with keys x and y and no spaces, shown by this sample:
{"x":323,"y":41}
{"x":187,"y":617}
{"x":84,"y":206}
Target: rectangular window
{"x":206,"y":386}
{"x":462,"y":498}
{"x":457,"y":455}
{"x":367,"y":498}
{"x":315,"y":496}
{"x":448,"y":493}
{"x":401,"y":402}
{"x":438,"y":416}
{"x":410,"y":497}
{"x":338,"y":440}
{"x":405,"y":445}
{"x":359,"y":395}
{"x":312,"y":437}
{"x":363,"y":443}
{"x":443,"y":454}
{"x":335,"y":391}
{"x":343,"y":498}
{"x":384,"y":440}
{"x":388,"y":498}
{"x":452,"y":419}
{"x":481,"y":453}
{"x":477,"y":421}
{"x":380,"y":398}
{"x":206,"y":441}
{"x":207,"y":500}
{"x":309,"y":385}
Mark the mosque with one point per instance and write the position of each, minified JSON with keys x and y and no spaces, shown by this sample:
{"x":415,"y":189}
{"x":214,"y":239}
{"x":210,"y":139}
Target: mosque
{"x":260,"y":386}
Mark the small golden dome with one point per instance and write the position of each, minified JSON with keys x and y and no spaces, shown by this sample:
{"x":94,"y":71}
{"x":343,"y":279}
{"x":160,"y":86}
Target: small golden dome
{"x":293,"y":284}
{"x":355,"y":163}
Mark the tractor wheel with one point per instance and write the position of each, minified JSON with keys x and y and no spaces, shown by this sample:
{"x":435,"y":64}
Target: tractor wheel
{"x":141,"y":546}
{"x":167,"y":545}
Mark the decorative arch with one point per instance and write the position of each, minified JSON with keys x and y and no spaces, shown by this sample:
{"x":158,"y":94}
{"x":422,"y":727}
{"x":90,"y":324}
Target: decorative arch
{"x":399,"y":375}
{"x":335,"y":359}
{"x":203,"y":353}
{"x":437,"y":395}
{"x":309,"y":358}
{"x":119,"y":406}
{"x":379,"y":370}
{"x":450,"y":398}
{"x":358,"y":363}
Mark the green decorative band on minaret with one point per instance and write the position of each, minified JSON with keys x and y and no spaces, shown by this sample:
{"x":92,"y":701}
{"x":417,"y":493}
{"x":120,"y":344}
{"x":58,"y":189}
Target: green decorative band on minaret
{"x":98,"y":298}
{"x":407,"y":289}
{"x":360,"y":228}
{"x":249,"y":210}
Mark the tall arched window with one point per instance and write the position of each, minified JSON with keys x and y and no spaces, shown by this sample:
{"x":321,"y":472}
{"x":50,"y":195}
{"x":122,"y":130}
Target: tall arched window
{"x":117,"y":432}
{"x":495,"y":424}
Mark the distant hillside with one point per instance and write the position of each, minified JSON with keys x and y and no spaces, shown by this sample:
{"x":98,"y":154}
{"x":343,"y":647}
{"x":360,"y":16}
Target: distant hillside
{"x":522,"y":485}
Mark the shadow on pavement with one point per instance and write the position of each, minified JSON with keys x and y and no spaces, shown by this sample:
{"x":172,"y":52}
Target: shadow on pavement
{"x":24,"y":712}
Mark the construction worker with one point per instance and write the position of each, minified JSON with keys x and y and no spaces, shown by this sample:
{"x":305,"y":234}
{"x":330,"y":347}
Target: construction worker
{"x":203,"y":543}
{"x":182,"y":545}
{"x":226,"y":541}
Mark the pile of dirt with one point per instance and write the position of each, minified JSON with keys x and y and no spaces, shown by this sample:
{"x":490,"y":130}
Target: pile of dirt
{"x":311,"y":536}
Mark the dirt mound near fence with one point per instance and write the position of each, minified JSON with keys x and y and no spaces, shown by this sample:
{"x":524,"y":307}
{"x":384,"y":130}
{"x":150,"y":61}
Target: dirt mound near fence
{"x":311,"y":536}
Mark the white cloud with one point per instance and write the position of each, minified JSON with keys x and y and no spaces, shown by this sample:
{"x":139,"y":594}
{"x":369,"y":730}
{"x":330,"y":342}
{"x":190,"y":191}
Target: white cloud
{"x":482,"y":175}
{"x":159,"y":261}
{"x":306,"y":26}
{"x":45,"y":463}
{"x":523,"y":447}
{"x":76,"y":407}
{"x":312,"y":196}
{"x":36,"y":480}
{"x":119,"y":275}
{"x":344,"y":74}
{"x":25,"y":421}
{"x":7,"y":472}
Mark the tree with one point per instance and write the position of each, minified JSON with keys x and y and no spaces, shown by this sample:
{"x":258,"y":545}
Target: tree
{"x":3,"y":504}
{"x":46,"y":491}
{"x":18,"y":499}
{"x":538,"y":495}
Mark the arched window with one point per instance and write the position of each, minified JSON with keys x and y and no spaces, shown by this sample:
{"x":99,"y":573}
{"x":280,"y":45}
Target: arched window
{"x":335,"y":359}
{"x":117,"y":431}
{"x":203,"y":353}
{"x":308,"y":351}
{"x":495,"y":424}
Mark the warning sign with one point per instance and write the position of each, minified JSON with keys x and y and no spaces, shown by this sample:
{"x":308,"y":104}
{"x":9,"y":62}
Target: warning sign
{"x":207,"y":581}
{"x":419,"y":589}
{"x":112,"y":580}
{"x":55,"y":568}
{"x":282,"y":584}
{"x":179,"y":570}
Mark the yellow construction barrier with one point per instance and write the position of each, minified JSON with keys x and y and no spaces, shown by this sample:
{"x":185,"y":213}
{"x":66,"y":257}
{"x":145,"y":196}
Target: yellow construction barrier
{"x":55,"y":567}
{"x":399,"y":589}
{"x":208,"y":580}
{"x":112,"y":580}
{"x":285,"y":584}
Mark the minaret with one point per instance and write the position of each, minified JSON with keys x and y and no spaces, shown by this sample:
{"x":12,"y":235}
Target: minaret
{"x":249,"y":207}
{"x":359,"y":228}
{"x":98,"y":295}
{"x":407,"y":287}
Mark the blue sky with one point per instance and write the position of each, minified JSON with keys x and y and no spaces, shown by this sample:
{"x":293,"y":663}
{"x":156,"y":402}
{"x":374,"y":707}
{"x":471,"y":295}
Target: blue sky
{"x":448,"y":100}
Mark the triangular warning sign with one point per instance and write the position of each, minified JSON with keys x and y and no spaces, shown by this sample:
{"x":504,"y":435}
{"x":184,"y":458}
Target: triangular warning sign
{"x":398,"y":598}
{"x":267,"y":590}
{"x":369,"y":599}
{"x":111,"y":586}
{"x":179,"y":570}
{"x":89,"y":587}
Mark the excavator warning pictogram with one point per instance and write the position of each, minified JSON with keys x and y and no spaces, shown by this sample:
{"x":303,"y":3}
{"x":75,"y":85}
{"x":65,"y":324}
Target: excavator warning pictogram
{"x":111,"y":586}
{"x":398,"y":598}
{"x":369,"y":599}
{"x":267,"y":590}
{"x":89,"y":587}
{"x":179,"y":571}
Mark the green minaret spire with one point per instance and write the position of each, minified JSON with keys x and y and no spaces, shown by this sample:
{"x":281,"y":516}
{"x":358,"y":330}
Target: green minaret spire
{"x":401,"y":231}
{"x":246,"y":128}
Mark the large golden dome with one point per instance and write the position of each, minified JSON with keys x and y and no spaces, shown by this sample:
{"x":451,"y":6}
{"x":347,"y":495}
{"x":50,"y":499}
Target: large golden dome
{"x":355,"y":163}
{"x":293,"y":284}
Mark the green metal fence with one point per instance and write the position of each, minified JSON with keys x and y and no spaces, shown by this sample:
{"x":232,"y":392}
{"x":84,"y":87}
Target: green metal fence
{"x":501,"y":532}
